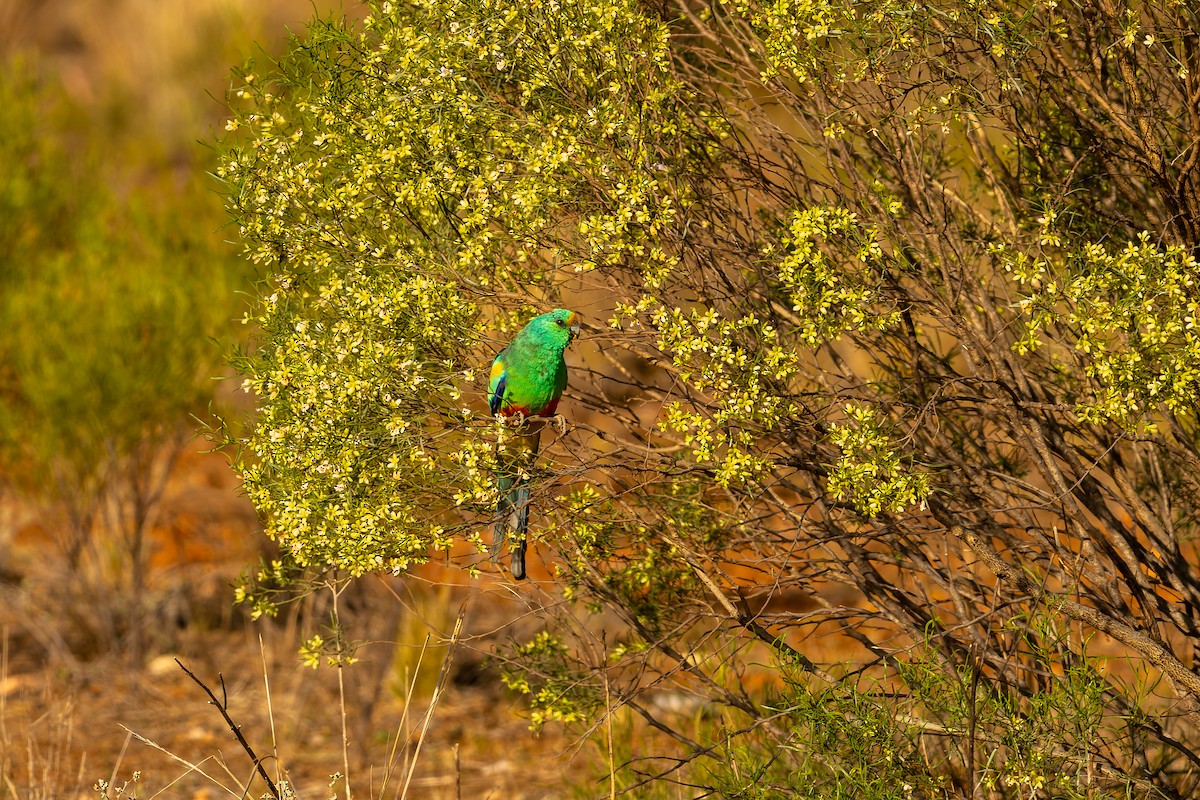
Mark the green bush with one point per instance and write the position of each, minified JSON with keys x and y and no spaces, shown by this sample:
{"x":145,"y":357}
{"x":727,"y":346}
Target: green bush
{"x":912,"y":736}
{"x":113,"y":291}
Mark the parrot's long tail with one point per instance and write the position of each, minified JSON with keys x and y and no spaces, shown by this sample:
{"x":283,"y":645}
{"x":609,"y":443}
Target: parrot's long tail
{"x":512,"y":514}
{"x":512,"y":510}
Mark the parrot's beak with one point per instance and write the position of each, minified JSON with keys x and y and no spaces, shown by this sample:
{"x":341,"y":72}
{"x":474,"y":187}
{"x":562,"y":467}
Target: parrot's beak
{"x":574,"y":328}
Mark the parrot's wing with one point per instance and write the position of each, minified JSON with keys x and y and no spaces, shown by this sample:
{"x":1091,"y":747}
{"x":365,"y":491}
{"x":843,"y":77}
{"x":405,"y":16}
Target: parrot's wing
{"x":496,"y":384}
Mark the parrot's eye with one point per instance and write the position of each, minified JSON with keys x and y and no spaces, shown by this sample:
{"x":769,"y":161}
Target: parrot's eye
{"x":561,"y":322}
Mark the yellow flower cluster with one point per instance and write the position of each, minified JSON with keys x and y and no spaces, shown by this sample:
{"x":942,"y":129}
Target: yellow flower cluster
{"x":831,"y":269}
{"x":1128,"y":312}
{"x":872,"y":475}
{"x":553,"y":694}
{"x":742,"y":365}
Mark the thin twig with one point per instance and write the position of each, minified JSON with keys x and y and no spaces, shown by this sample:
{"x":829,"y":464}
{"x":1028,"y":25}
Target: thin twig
{"x":403,"y":725}
{"x":608,"y":724}
{"x":345,"y":730}
{"x":262,"y":649}
{"x":341,"y":665}
{"x":112,"y":778}
{"x":237,"y":731}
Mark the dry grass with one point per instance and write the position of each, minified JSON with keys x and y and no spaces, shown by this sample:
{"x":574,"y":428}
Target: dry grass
{"x":72,"y":713}
{"x":61,"y":730}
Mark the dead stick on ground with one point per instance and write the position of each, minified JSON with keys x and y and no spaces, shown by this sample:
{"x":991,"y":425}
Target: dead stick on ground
{"x":237,"y":732}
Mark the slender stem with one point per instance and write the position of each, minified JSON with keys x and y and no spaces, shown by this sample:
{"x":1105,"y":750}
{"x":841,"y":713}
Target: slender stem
{"x":237,"y":731}
{"x":433,"y":701}
{"x":342,"y":693}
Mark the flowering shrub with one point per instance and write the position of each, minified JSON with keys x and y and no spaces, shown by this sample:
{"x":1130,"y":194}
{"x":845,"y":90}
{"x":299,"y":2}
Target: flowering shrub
{"x":900,"y":324}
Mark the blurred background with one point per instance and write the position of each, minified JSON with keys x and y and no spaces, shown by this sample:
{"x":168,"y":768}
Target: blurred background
{"x":118,"y":287}
{"x":121,"y":291}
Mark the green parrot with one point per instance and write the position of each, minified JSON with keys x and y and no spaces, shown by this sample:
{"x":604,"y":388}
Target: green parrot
{"x":528,"y":378}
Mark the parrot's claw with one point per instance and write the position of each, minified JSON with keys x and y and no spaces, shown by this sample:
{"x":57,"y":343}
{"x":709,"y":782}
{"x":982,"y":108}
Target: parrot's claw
{"x":560,"y":424}
{"x":517,"y":420}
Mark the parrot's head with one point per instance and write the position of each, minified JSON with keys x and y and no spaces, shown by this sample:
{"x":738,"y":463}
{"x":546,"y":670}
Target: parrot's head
{"x":559,"y":327}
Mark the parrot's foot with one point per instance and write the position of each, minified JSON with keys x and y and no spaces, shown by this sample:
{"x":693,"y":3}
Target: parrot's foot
{"x":516,"y":420}
{"x":560,"y":424}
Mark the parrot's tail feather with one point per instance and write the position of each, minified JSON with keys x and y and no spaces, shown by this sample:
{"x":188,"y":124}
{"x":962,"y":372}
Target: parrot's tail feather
{"x":519,"y":522}
{"x":503,"y":511}
{"x":517,"y":565}
{"x":512,"y":514}
{"x":498,"y":537}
